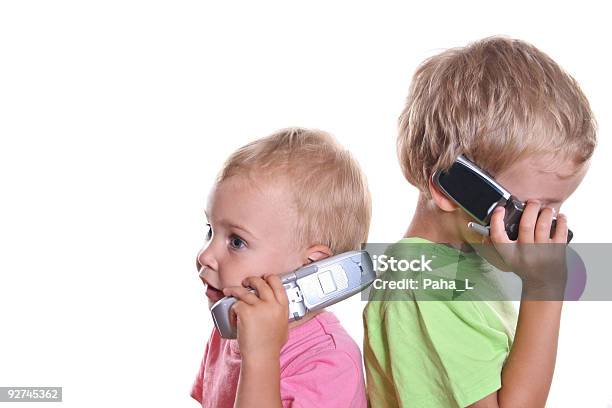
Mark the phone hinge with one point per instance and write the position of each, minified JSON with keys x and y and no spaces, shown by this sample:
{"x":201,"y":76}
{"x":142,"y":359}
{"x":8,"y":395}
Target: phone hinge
{"x":294,"y":294}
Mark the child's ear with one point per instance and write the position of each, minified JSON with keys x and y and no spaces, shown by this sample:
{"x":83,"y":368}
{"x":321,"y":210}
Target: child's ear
{"x":316,"y":253}
{"x":442,"y":201}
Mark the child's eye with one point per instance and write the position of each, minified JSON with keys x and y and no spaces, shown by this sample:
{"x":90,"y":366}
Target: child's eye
{"x":236,"y":242}
{"x":209,"y":232}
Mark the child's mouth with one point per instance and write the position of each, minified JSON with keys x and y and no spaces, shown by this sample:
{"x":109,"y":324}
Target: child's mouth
{"x":213,"y":294}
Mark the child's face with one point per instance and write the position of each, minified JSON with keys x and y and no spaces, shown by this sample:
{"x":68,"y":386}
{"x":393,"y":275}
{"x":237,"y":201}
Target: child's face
{"x":544,"y":179}
{"x":535,"y":178}
{"x":251,"y":234}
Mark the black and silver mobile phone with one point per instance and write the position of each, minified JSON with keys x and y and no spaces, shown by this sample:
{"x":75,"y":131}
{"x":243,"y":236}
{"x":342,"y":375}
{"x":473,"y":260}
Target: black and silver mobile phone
{"x":476,"y":192}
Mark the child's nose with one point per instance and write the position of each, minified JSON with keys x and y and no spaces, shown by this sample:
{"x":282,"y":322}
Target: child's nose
{"x":206,"y":259}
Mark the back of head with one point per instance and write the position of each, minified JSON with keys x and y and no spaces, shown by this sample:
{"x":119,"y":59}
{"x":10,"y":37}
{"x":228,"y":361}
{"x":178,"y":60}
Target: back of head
{"x":329,"y":190}
{"x":497,"y":100}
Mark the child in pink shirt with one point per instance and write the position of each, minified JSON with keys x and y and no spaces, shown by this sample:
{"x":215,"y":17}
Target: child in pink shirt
{"x":279,"y":203}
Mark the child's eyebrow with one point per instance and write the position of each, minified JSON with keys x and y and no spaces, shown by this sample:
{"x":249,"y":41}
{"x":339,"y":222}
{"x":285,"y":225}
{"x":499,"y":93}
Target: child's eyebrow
{"x":558,"y":174}
{"x":238,"y":227}
{"x":231,"y":225}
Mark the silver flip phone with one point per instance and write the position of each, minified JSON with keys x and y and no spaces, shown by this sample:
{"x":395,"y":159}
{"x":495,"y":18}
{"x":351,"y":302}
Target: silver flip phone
{"x":311,"y":287}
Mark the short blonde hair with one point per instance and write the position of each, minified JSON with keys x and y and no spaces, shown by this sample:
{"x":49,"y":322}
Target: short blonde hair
{"x":497,"y":100}
{"x":330,"y":191}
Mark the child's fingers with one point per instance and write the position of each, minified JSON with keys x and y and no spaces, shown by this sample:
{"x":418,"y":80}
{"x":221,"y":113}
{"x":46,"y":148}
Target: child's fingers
{"x":279,"y":290}
{"x":560,"y":236}
{"x":543,"y":225}
{"x":263,"y":290}
{"x":497,"y":231}
{"x":242,"y":294}
{"x":528,"y":222}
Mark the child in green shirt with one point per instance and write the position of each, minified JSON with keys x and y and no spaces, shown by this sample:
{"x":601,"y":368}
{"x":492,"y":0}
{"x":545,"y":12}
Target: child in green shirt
{"x":513,"y":111}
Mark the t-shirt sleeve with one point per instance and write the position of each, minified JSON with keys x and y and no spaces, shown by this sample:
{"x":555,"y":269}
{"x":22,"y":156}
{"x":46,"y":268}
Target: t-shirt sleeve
{"x":435,"y":353}
{"x":326,"y":379}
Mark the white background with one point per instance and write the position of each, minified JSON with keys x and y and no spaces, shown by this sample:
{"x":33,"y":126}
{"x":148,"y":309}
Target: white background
{"x":115,"y":117}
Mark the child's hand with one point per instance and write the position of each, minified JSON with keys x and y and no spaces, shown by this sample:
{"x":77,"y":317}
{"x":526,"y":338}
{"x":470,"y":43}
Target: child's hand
{"x":262,"y":318}
{"x":541,"y":267}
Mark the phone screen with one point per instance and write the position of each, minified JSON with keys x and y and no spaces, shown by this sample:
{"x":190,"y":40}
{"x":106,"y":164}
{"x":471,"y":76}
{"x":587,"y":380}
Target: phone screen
{"x":470,"y":190}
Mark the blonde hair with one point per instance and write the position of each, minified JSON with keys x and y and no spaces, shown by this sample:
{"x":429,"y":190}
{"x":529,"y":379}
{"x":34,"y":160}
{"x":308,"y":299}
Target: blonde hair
{"x":497,"y":100}
{"x":329,"y":189}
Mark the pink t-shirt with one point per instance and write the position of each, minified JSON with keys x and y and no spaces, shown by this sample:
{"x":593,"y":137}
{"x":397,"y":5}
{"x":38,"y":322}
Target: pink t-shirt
{"x":320,"y":366}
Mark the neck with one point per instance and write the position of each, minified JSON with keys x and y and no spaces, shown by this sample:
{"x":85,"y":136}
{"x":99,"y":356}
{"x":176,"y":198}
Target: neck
{"x":435,"y":225}
{"x":304,"y":319}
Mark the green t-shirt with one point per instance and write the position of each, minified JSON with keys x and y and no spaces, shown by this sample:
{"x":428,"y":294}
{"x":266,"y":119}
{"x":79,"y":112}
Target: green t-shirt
{"x":437,"y":353}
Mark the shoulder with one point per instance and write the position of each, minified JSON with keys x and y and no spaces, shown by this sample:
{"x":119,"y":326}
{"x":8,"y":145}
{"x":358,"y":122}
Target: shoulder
{"x":414,"y":323}
{"x":321,"y":365}
{"x":321,"y":340}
